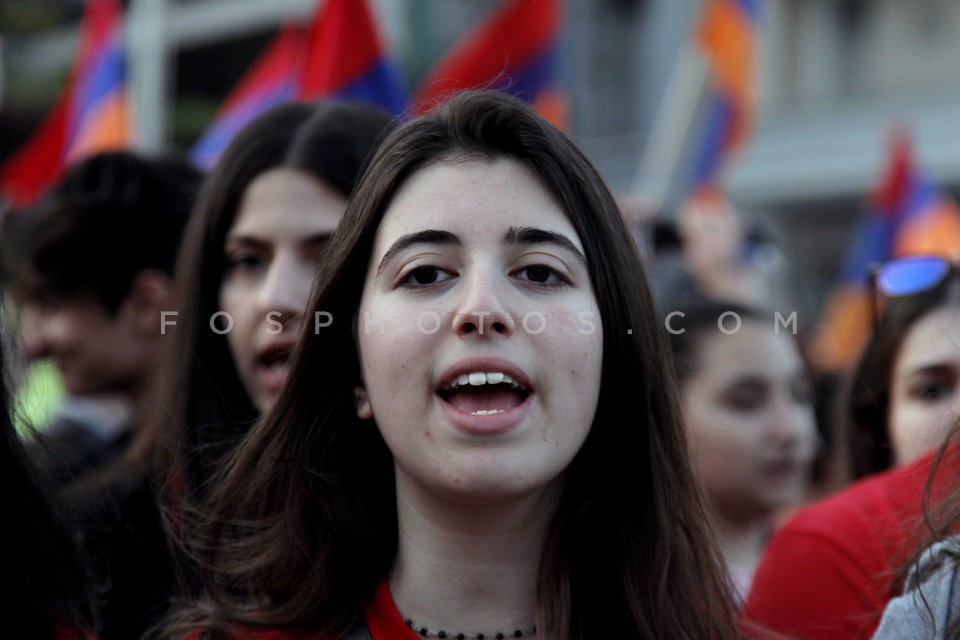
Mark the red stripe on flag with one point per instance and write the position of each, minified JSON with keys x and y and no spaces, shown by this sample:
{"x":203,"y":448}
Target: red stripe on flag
{"x":506,"y":41}
{"x":275,"y":64}
{"x":38,"y":163}
{"x":343,"y":44}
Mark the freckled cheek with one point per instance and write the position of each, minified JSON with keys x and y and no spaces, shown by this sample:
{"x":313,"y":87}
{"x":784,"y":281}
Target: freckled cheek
{"x":400,"y":323}
{"x":571,"y":357}
{"x":383,"y":356}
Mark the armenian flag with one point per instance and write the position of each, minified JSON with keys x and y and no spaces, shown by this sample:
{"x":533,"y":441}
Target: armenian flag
{"x":92,"y":114}
{"x":268,"y":82}
{"x":907,"y":214}
{"x":726,"y":36}
{"x":515,"y":50}
{"x":338,"y":55}
{"x":345,"y":59}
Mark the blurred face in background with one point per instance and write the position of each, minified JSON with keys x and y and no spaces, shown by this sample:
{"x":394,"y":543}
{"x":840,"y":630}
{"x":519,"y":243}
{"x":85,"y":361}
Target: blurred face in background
{"x":94,"y":351}
{"x":750,"y":420}
{"x":271,"y":254}
{"x":925,"y":385}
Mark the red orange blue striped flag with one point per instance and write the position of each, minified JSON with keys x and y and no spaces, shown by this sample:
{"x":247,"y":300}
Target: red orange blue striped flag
{"x":516,"y":50}
{"x":92,"y":114}
{"x":727,"y":37}
{"x":907,"y":214}
{"x":340,"y":55}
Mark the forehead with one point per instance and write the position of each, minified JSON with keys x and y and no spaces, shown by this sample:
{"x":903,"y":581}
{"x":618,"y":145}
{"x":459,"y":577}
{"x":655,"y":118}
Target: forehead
{"x":934,"y":338}
{"x":288,"y":202}
{"x":755,"y":349}
{"x":474,"y":198}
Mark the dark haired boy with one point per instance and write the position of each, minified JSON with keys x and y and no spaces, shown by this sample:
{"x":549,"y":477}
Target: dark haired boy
{"x":91,"y":271}
{"x":91,"y":268}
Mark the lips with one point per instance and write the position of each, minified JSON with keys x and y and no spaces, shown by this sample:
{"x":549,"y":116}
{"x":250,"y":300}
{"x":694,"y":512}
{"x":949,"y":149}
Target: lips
{"x":484,"y":392}
{"x":273,"y":365}
{"x":484,"y":396}
{"x":783,"y":469}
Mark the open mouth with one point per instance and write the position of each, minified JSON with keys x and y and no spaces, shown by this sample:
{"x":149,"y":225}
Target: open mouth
{"x":275,"y":362}
{"x":484,"y":393}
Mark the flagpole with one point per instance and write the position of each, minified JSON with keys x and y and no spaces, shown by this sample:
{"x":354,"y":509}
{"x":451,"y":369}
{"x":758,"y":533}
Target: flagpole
{"x":149,"y":59}
{"x":672,"y":123}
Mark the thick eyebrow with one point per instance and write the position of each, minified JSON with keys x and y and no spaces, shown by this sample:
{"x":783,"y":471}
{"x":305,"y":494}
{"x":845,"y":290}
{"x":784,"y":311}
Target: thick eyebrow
{"x":428,"y":236}
{"x":932,"y":369}
{"x":533,"y":235}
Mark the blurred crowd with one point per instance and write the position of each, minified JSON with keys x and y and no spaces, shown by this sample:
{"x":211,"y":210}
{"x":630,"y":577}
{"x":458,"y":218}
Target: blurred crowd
{"x":180,"y":308}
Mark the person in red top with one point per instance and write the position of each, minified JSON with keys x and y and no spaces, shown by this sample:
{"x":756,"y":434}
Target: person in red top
{"x":479,"y":436}
{"x":830,"y":571}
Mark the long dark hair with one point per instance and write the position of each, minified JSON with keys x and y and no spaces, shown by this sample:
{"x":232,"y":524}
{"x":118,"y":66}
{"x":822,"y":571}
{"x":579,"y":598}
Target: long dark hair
{"x":865,"y":408}
{"x":51,"y":587}
{"x":303,"y":525}
{"x":202,"y":406}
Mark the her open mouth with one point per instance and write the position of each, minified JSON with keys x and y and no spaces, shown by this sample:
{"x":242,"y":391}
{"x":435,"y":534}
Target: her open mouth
{"x":274,"y":365}
{"x":484,"y":393}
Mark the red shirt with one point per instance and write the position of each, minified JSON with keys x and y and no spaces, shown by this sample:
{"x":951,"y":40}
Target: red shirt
{"x":383,"y":619}
{"x":829,"y":572}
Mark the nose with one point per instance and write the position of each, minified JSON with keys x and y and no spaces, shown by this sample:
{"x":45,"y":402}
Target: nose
{"x":286,"y":287}
{"x":792,"y":423}
{"x":482,"y":308}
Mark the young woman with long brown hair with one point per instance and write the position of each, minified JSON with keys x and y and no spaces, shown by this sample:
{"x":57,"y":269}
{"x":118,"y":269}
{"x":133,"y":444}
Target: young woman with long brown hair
{"x":480,"y":435}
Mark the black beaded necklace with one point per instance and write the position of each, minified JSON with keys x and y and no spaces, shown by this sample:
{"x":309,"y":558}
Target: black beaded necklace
{"x":423,"y":632}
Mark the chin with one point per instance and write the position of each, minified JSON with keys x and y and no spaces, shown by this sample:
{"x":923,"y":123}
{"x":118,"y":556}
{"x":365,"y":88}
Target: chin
{"x":265,"y":403}
{"x":491,"y":486}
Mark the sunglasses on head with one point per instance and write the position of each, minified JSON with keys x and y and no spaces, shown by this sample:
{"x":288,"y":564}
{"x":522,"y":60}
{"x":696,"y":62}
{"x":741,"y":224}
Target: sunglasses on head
{"x":907,"y":276}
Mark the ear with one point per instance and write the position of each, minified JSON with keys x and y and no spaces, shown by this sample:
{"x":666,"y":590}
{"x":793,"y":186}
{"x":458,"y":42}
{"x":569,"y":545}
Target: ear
{"x":362,"y":402}
{"x":151,"y":293}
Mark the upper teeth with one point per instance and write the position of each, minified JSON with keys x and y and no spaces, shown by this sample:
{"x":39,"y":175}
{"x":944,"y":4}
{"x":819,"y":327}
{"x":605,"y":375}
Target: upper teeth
{"x":479,"y":378}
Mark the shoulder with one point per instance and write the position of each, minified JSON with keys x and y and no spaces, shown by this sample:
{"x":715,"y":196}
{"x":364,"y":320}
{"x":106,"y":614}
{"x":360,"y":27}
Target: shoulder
{"x":931,"y":601}
{"x":829,"y":571}
{"x":868,"y":525}
{"x":869,"y":507}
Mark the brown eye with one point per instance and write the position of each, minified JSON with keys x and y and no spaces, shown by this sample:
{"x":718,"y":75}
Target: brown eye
{"x":538,"y":273}
{"x":933,"y":390}
{"x":541,"y":274}
{"x":244,"y":260}
{"x":425,"y":276}
{"x":746,"y":396}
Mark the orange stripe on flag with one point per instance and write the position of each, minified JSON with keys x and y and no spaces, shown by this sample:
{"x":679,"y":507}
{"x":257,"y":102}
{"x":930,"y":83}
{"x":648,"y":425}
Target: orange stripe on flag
{"x":845,"y":326}
{"x":106,"y":130}
{"x":936,"y":231}
{"x":726,"y":35}
{"x":552,"y":105}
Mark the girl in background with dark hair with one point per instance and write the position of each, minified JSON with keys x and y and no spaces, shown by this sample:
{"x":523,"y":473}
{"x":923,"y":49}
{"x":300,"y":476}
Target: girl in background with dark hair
{"x":746,"y":395}
{"x":831,"y":570}
{"x":901,"y":400}
{"x":484,"y":441}
{"x":249,"y":258}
